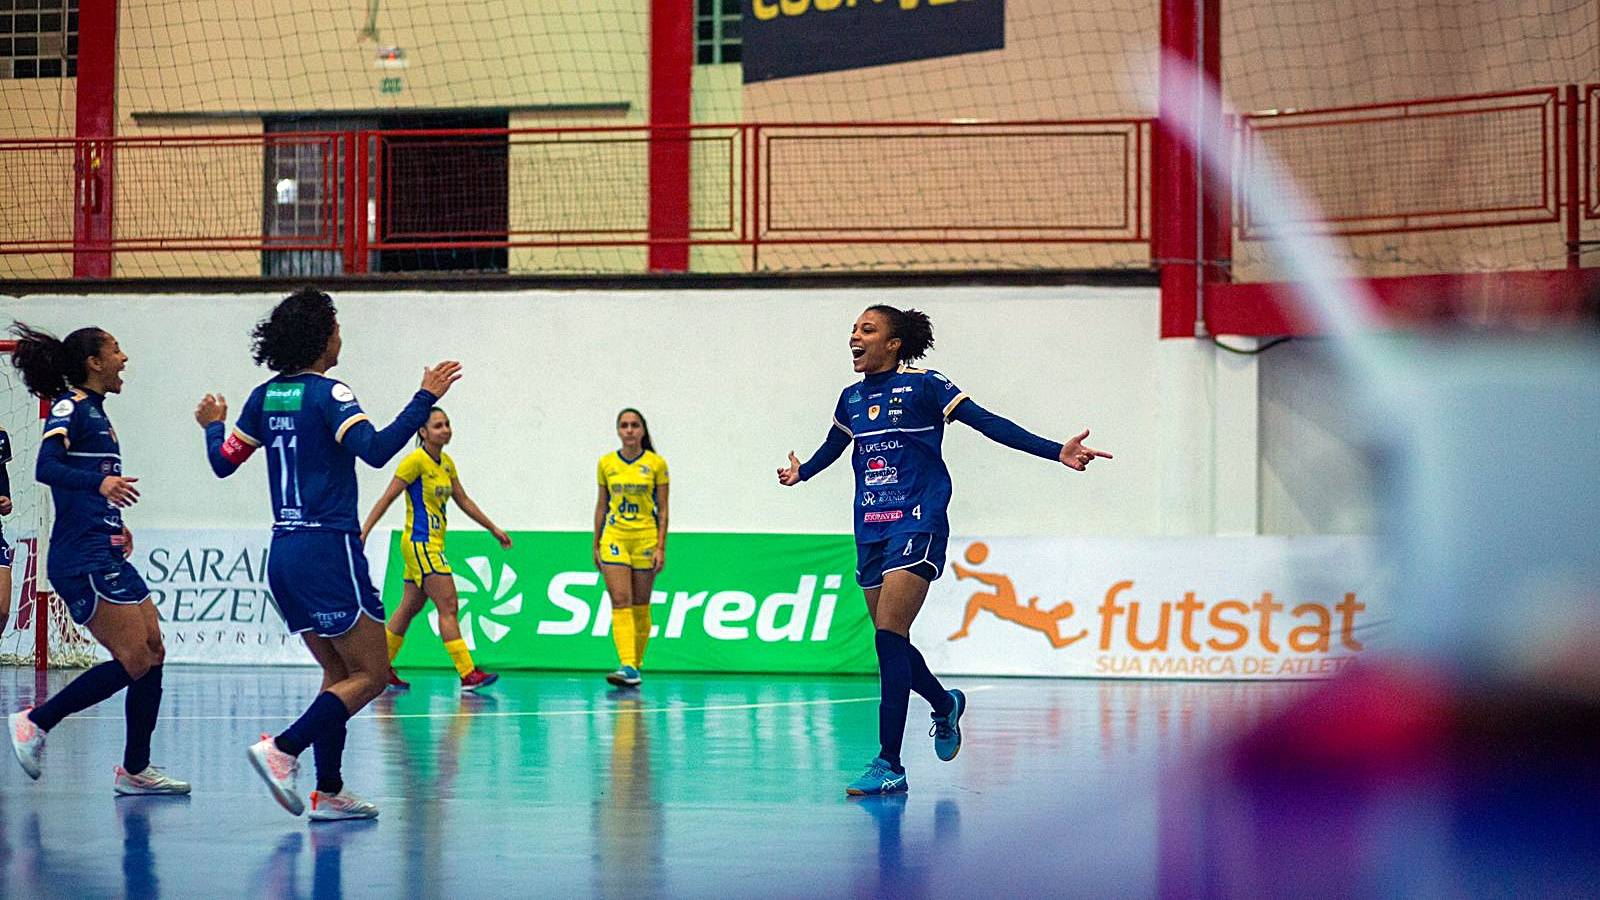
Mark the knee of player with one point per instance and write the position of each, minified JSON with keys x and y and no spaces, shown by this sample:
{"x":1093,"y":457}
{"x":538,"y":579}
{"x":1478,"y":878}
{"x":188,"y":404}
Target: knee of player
{"x":136,"y":660}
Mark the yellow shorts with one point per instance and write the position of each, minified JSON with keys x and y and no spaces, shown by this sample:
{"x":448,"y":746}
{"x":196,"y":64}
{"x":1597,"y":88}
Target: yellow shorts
{"x":636,"y":550}
{"x":423,"y":558}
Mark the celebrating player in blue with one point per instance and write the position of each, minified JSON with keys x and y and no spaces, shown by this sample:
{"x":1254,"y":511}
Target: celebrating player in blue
{"x":313,"y":431}
{"x":895,"y":416}
{"x":81,"y":461}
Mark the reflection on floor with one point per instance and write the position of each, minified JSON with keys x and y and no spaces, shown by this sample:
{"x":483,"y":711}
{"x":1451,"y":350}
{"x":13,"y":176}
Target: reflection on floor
{"x":557,"y":785}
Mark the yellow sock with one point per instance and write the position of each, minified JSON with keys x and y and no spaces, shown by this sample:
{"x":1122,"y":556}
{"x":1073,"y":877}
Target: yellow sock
{"x":622,"y":636}
{"x":641,"y":630}
{"x":395,"y":640}
{"x":460,"y":655}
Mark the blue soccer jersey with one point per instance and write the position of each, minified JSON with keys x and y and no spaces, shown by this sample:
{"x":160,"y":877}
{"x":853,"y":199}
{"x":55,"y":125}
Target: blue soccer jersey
{"x":896,"y":422}
{"x":78,"y":450}
{"x":301,"y":422}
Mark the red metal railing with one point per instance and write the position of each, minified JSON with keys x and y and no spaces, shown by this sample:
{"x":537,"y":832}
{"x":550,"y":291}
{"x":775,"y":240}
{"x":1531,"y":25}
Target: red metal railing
{"x":1383,"y":168}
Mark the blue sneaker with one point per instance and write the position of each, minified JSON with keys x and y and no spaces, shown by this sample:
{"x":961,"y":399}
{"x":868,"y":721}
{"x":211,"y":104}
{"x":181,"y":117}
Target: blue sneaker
{"x":879,"y":778}
{"x":627,"y":676}
{"x":946,"y":730}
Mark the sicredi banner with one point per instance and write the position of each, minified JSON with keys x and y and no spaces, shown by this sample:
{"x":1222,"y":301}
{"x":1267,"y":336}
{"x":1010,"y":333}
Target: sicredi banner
{"x":784,"y":38}
{"x":723,"y":603}
{"x":1212,"y":607}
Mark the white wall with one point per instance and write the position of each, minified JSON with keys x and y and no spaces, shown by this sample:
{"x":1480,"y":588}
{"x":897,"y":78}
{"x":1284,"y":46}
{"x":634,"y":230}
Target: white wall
{"x":730,"y":381}
{"x":1316,"y":475}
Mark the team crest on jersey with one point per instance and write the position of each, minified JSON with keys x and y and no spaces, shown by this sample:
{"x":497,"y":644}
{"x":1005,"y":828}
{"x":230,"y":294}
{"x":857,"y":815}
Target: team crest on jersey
{"x":873,"y":410}
{"x":644,"y":469}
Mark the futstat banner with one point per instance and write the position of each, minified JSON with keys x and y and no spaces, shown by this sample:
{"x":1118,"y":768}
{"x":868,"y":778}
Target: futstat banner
{"x":1245,"y":607}
{"x":785,"y":38}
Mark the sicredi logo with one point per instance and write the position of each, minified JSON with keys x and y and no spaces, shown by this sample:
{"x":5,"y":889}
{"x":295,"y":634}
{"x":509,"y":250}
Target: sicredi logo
{"x":487,"y":602}
{"x":803,"y":614}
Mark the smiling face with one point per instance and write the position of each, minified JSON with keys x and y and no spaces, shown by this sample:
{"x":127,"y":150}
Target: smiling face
{"x":105,"y":368}
{"x":630,"y":429}
{"x":436,"y":433}
{"x":871,"y":347}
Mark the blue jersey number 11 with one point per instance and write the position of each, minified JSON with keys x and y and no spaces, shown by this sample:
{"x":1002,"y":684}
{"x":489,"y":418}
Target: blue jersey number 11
{"x":287,"y":474}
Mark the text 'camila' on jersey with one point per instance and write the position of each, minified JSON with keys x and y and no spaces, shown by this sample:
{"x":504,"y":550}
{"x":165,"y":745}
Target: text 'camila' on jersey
{"x":298,"y":421}
{"x":897,"y":420}
{"x":78,"y":450}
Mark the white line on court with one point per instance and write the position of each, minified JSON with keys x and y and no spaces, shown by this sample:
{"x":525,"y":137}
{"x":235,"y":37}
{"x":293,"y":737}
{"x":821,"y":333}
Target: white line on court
{"x":555,"y":713}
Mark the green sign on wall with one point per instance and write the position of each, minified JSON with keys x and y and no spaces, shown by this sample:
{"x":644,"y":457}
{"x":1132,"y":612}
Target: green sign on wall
{"x":723,"y":603}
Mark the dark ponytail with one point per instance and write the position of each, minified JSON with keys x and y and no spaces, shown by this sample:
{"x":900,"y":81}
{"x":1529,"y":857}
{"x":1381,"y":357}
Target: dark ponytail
{"x":646,"y":443}
{"x":50,"y":366}
{"x":294,"y":335}
{"x":911,"y":326}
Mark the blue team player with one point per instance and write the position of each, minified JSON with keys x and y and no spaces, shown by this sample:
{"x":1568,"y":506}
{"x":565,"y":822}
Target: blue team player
{"x":7,"y":554}
{"x":895,"y":416}
{"x":81,"y":461}
{"x":313,"y":431}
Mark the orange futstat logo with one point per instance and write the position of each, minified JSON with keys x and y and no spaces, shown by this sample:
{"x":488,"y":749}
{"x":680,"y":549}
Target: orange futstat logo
{"x":1003,"y":603}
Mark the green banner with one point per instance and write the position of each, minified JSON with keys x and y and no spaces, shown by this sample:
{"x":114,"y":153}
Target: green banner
{"x":723,"y":603}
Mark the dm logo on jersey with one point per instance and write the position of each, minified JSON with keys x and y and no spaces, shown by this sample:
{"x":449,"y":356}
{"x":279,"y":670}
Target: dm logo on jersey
{"x":284,"y":397}
{"x":873,"y":410}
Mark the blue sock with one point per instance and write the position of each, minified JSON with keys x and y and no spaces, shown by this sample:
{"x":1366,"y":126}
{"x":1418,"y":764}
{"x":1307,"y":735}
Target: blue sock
{"x":85,"y":691}
{"x":141,"y":706}
{"x":325,"y":715}
{"x":926,"y":685}
{"x":894,"y":679}
{"x":328,"y":751}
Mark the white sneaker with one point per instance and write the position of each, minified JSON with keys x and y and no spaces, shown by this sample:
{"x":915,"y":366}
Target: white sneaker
{"x":343,"y":805}
{"x":278,"y":769}
{"x":27,"y":740}
{"x":151,"y":781}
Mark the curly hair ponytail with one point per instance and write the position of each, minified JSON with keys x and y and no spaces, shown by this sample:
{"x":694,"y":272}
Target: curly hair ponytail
{"x":50,"y":365}
{"x":911,"y":326}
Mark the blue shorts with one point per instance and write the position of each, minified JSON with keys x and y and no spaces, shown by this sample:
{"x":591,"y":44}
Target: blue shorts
{"x":920,"y":553}
{"x":7,"y":553}
{"x":320,"y":583}
{"x":83,"y":592}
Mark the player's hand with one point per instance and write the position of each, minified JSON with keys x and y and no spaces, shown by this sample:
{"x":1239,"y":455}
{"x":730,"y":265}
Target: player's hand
{"x":5,"y":506}
{"x":438,"y":379}
{"x":364,"y":538}
{"x":119,"y":490}
{"x":212,"y":408}
{"x":127,"y":543}
{"x":1074,"y":455}
{"x":661,"y":559}
{"x":597,"y":558}
{"x":791,"y":476}
{"x":502,"y":537}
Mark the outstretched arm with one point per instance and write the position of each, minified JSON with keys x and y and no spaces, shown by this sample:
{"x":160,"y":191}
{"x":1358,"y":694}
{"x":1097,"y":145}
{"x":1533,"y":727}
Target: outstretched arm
{"x":1072,"y":454}
{"x":477,"y":515}
{"x":832,"y":445}
{"x":390,"y":492}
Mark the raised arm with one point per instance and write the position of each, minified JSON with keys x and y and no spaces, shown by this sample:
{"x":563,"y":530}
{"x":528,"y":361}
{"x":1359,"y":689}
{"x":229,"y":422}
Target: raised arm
{"x":477,"y":515}
{"x":376,"y":448}
{"x":390,"y":492}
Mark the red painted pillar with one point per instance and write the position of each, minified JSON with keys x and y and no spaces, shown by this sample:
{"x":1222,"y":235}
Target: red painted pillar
{"x":671,"y":70}
{"x":1193,"y":216}
{"x":97,"y":122}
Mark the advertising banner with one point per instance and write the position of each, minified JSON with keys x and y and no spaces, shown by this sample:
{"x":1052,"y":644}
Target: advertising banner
{"x":210,"y":590}
{"x":723,"y":603}
{"x":1211,"y":607}
{"x":784,"y":38}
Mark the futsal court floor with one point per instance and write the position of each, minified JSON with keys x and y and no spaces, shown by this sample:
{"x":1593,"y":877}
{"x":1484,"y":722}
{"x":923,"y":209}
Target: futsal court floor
{"x":556,"y":785}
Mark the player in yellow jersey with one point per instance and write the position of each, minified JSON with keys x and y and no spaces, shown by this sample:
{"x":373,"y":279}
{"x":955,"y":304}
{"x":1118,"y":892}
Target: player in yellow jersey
{"x":630,"y":538}
{"x":429,"y":482}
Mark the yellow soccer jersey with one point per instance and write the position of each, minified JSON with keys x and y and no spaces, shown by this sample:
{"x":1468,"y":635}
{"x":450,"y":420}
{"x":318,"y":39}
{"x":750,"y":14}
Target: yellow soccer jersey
{"x":632,"y":485}
{"x":428,"y":488}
